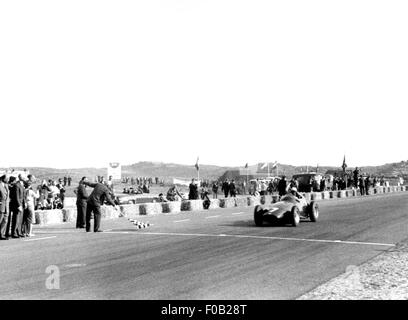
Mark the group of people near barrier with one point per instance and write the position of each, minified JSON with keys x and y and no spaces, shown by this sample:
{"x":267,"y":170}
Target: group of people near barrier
{"x":89,"y":205}
{"x":17,"y":206}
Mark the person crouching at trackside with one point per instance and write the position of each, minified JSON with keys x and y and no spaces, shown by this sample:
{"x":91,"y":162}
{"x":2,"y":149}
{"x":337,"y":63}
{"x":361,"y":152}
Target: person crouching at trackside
{"x":99,"y":194}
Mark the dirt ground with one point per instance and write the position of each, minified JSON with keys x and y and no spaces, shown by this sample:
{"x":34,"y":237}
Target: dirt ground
{"x":385,"y":277}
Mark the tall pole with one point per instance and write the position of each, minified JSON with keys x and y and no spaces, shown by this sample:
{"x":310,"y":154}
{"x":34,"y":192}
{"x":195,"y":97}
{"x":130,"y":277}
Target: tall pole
{"x":268,"y":169}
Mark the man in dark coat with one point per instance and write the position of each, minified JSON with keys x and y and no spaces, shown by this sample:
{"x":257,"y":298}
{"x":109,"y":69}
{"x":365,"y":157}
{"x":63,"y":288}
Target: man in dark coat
{"x":232,"y":189}
{"x":225,"y":188}
{"x":355,"y":177}
{"x":99,"y":195}
{"x":17,"y":204}
{"x":282,"y":185}
{"x":361,"y":186}
{"x":4,"y":206}
{"x":367,"y":184}
{"x":193,"y":190}
{"x":82,"y":197}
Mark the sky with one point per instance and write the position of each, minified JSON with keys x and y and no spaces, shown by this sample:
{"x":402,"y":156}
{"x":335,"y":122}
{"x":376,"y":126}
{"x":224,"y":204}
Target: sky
{"x":84,"y":83}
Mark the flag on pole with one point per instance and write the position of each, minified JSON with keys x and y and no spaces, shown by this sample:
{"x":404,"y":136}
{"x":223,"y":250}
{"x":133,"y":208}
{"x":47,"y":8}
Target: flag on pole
{"x":196,"y":165}
{"x":246,"y":165}
{"x":274,"y":164}
{"x":344,"y":165}
{"x":264,"y":165}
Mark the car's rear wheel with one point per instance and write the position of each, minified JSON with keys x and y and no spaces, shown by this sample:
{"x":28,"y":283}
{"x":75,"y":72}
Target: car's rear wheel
{"x":258,"y":215}
{"x":295,"y":216}
{"x":313,"y":211}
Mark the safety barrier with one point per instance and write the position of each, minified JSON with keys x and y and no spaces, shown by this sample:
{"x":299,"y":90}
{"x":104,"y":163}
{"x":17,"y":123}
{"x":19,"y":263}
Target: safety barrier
{"x":171,"y":207}
{"x":241,"y":202}
{"x":253,"y":201}
{"x":46,"y":217}
{"x":227,"y":203}
{"x":214,"y":204}
{"x":69,"y":214}
{"x":316,"y":196}
{"x":151,"y":208}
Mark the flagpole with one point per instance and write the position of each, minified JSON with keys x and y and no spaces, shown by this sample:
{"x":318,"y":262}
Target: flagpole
{"x":268,"y":168}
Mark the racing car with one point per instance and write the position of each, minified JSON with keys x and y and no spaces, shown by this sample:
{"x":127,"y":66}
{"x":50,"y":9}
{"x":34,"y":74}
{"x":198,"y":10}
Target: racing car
{"x":290,"y":209}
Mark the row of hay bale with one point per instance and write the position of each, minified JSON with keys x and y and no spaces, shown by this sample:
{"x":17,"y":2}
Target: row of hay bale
{"x":69,"y":214}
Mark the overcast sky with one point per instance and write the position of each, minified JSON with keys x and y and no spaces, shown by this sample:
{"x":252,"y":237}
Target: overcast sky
{"x":84,"y":83}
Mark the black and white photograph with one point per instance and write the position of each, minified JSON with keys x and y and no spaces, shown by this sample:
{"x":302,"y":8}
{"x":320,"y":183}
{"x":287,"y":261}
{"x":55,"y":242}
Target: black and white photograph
{"x":188,"y":151}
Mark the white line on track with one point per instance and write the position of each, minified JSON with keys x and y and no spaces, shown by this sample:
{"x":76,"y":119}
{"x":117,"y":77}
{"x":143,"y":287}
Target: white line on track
{"x":234,"y":213}
{"x":263,"y":237}
{"x":181,"y":220}
{"x":210,"y":217}
{"x":40,"y":238}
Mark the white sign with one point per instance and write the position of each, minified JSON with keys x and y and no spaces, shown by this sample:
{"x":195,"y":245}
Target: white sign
{"x":115,"y":170}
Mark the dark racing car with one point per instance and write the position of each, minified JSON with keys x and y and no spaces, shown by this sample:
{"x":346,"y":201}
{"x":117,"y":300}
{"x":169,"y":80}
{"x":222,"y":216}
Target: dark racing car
{"x":291,"y":208}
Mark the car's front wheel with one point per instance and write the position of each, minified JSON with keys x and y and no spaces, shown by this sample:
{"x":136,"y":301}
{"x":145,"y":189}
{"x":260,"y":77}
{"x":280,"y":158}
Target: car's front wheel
{"x":295,"y":216}
{"x":313,"y":211}
{"x":258,"y":215}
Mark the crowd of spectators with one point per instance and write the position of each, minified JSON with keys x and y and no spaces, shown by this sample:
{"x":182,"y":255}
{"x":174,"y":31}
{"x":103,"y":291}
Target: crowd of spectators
{"x":17,"y":206}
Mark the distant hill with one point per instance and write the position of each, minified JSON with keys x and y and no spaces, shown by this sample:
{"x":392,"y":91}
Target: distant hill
{"x":167,"y":171}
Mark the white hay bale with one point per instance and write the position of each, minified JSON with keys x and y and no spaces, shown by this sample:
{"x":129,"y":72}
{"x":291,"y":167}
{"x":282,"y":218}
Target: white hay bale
{"x":171,"y":207}
{"x":316,"y":196}
{"x":108,"y":212}
{"x":129,"y":210}
{"x":227,"y":203}
{"x":46,"y":217}
{"x":341,"y":194}
{"x":214,"y":204}
{"x":253,"y":201}
{"x":69,"y":214}
{"x":307,"y":196}
{"x":325,"y":195}
{"x":241,"y":202}
{"x":150,"y":208}
{"x":266,"y":199}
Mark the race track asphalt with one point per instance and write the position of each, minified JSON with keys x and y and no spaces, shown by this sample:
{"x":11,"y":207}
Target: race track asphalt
{"x":215,"y":254}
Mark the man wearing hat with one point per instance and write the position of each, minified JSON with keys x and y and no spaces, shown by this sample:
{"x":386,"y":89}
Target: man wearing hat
{"x":4,"y":206}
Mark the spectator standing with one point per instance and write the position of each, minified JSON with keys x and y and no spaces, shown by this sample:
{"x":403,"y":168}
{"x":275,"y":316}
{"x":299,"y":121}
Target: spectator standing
{"x":282,"y":186}
{"x":323,"y":184}
{"x":29,"y":215}
{"x":264,"y":187}
{"x":367,"y":184}
{"x":17,"y":204}
{"x":361,"y":185}
{"x":43,"y":190}
{"x":53,"y":194}
{"x":232,"y":189}
{"x":225,"y":188}
{"x":4,"y":206}
{"x":62,"y":190}
{"x":69,"y":181}
{"x":65,"y":181}
{"x":96,"y":199}
{"x":82,"y":197}
{"x":215,"y":189}
{"x":193,"y":190}
{"x":110,"y":183}
{"x":355,"y":176}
